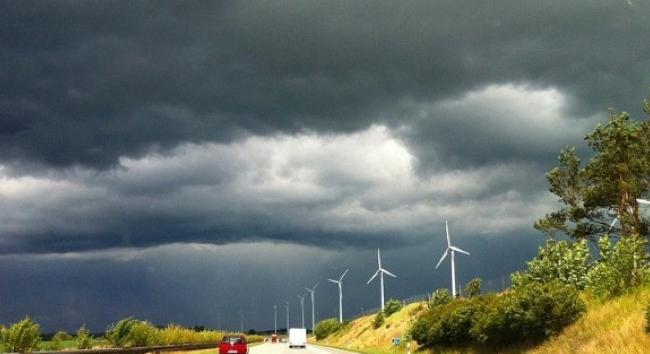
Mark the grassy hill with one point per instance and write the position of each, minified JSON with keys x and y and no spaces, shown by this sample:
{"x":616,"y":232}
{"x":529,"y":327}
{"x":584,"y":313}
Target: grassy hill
{"x":617,"y":326}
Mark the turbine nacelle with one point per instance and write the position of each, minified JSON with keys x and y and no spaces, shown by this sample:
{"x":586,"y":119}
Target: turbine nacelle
{"x":313,"y":289}
{"x":336,"y":281}
{"x":380,"y":269}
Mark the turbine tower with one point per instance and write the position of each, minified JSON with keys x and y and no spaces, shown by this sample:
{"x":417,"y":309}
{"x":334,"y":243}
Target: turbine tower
{"x":340,"y":283}
{"x":312,"y":291}
{"x":451,"y":249}
{"x":302,"y":308}
{"x":287,"y":303}
{"x":381,"y":271}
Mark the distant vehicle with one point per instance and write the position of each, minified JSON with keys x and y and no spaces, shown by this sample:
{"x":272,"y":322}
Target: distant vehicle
{"x":274,"y":338}
{"x":233,"y":345}
{"x":297,"y":337}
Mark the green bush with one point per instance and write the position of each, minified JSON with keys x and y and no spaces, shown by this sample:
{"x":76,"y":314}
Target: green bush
{"x":530,"y":312}
{"x":62,"y":336}
{"x":84,"y":339}
{"x":621,"y":267}
{"x":21,"y":337}
{"x":446,"y":324}
{"x":56,"y":342}
{"x":473,"y":287}
{"x":326,"y":327}
{"x":563,"y":261}
{"x":142,"y":334}
{"x":391,"y":307}
{"x":118,"y":334}
{"x":379,"y":320}
{"x":439,"y":297}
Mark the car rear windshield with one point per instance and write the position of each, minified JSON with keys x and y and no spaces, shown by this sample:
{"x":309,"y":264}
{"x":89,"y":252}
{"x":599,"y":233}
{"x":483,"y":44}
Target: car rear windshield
{"x":233,"y":339}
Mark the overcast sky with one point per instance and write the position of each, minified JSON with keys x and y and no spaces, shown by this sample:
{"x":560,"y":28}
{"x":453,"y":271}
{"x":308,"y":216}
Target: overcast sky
{"x":180,"y":160}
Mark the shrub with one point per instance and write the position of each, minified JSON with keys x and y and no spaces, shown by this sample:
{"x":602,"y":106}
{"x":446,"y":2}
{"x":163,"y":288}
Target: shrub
{"x":391,"y":307}
{"x":56,"y":342}
{"x":446,"y":324}
{"x":84,"y":339}
{"x":118,"y":334}
{"x":379,"y":320}
{"x":538,"y":311}
{"x":530,"y":312}
{"x":439,"y":297}
{"x":563,"y":261}
{"x":62,"y":336}
{"x":142,"y":334}
{"x":621,"y":267}
{"x":473,"y":287}
{"x":326,"y":327}
{"x":174,"y":334}
{"x":21,"y":337}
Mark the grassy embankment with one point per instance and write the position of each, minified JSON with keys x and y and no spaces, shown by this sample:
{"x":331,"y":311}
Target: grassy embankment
{"x":616,"y":326}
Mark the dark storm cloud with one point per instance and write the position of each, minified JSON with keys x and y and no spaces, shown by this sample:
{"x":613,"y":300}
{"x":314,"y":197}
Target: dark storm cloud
{"x":87,"y":82}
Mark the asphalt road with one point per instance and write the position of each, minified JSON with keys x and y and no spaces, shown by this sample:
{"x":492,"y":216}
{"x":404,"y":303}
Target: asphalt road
{"x":283,"y":348}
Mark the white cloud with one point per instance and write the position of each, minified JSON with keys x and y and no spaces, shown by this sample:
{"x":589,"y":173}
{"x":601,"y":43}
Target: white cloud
{"x":318,"y":189}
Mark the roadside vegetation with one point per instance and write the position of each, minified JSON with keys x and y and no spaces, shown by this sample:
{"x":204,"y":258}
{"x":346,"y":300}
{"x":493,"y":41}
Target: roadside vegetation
{"x":587,"y":290}
{"x":25,"y":336}
{"x":327,"y":327}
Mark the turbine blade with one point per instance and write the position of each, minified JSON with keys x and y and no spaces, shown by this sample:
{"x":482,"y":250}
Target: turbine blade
{"x":373,"y":276}
{"x":389,"y":273}
{"x":447,"y":231}
{"x":459,"y":250}
{"x":444,"y":255}
{"x":378,"y":258}
{"x":309,"y":290}
{"x":333,"y":281}
{"x":643,"y":201}
{"x":344,"y":273}
{"x":315,"y":286}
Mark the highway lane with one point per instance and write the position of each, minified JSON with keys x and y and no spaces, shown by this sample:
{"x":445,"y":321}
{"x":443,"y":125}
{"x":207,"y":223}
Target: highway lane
{"x":283,"y":348}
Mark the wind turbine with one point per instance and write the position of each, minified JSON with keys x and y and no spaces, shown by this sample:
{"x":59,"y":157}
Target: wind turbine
{"x":340,"y":283}
{"x":287,"y":303}
{"x":302,"y":308}
{"x":275,"y":319}
{"x":312,"y":291}
{"x":451,"y":249}
{"x":638,"y":200}
{"x":381,"y":271}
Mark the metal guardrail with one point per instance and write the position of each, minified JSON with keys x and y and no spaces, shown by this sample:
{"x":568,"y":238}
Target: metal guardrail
{"x":137,"y":350}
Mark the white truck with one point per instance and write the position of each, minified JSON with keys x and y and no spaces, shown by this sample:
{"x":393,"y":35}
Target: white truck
{"x":297,"y":338}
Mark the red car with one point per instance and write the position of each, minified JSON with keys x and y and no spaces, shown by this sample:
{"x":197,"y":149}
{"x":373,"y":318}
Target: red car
{"x":233,"y":345}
